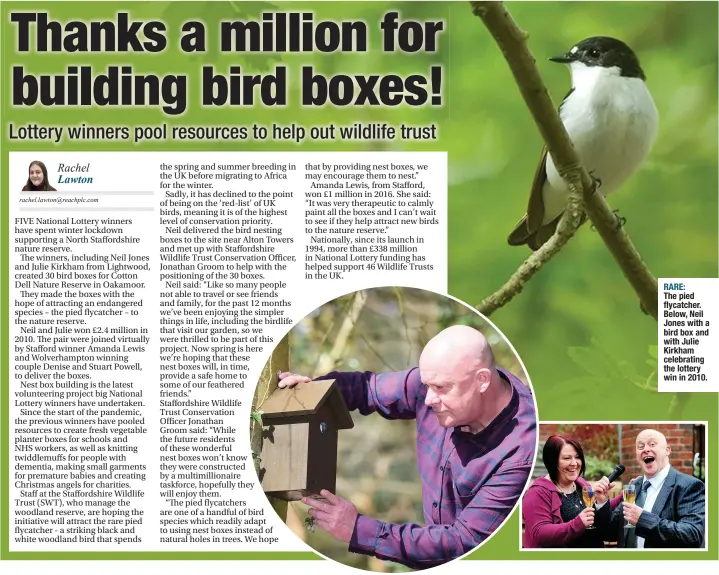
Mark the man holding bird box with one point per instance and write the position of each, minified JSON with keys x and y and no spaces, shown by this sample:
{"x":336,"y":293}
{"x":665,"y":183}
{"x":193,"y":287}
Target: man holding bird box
{"x":476,"y":441}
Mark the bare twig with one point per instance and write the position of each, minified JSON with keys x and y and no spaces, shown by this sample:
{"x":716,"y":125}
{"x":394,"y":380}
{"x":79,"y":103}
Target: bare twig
{"x":513,"y":43}
{"x":328,"y":361}
{"x":330,"y":327}
{"x":567,"y":227}
{"x":377,"y":354}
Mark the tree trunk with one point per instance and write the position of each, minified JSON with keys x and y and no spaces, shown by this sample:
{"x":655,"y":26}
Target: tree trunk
{"x":278,"y":361}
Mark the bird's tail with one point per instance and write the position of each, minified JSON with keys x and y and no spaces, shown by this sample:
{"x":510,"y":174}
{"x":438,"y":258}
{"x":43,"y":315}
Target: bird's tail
{"x":535,"y":239}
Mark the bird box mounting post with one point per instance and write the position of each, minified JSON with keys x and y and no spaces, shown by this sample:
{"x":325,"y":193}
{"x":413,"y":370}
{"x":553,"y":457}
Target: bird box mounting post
{"x":299,"y":439}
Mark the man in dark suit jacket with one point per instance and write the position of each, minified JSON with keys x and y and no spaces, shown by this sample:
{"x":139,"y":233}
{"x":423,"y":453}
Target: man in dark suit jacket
{"x":669,"y":511}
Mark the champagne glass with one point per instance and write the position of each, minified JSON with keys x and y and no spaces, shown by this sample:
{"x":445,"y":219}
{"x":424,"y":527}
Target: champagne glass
{"x":588,"y":497}
{"x":629,"y":494}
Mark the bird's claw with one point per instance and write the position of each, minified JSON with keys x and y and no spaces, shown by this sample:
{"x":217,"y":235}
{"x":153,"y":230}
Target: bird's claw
{"x":620,"y":220}
{"x":597,"y":183}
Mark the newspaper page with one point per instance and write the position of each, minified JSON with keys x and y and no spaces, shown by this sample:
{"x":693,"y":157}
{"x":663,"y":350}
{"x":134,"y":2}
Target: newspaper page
{"x":386,"y":286}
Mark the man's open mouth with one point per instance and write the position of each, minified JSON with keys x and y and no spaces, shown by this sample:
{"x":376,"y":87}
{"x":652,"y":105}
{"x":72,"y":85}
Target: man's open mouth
{"x":648,"y":460}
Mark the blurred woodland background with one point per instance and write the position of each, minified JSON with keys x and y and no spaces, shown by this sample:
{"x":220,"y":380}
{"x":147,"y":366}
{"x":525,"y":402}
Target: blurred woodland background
{"x":577,"y":324}
{"x":382,"y":329}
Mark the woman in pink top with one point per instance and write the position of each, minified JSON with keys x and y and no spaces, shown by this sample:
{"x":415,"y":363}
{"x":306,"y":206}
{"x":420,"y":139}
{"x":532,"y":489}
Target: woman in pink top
{"x":553,"y":511}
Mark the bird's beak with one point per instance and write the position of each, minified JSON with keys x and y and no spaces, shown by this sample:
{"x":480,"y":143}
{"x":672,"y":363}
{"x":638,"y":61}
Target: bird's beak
{"x":564,"y":59}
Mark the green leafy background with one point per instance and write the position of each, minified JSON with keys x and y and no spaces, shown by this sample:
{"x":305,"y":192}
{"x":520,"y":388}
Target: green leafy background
{"x":587,"y":347}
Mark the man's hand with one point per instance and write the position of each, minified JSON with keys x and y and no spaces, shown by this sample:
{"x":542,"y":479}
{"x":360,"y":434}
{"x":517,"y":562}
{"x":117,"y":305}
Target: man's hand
{"x":631,"y":512}
{"x":602,"y":489}
{"x":289,"y":379}
{"x":337,"y":516}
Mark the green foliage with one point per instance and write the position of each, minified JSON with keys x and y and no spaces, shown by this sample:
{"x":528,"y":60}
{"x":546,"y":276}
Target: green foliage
{"x":310,"y":524}
{"x":396,"y":568}
{"x":257,"y":416}
{"x":597,"y":468}
{"x":577,"y":325}
{"x":599,"y":363}
{"x":598,"y":440}
{"x":211,"y":14}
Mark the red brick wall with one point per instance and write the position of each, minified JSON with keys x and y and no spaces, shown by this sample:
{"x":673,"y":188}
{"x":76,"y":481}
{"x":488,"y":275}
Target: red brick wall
{"x":679,"y":438}
{"x":547,"y":429}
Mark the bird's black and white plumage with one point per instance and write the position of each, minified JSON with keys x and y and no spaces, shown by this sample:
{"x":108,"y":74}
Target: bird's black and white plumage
{"x":610,"y":117}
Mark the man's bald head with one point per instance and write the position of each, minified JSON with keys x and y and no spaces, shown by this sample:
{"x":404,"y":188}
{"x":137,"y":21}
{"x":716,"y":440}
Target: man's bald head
{"x":457,"y":366}
{"x":652,"y":451}
{"x":458,"y":345}
{"x":652,"y":434}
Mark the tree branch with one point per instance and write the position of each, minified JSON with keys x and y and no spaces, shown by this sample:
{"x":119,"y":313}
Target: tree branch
{"x":513,"y":43}
{"x":567,"y":227}
{"x":327,"y":361}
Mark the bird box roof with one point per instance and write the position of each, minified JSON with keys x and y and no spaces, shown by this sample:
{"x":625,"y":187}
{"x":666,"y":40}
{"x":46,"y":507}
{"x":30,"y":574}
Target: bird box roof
{"x":306,"y":399}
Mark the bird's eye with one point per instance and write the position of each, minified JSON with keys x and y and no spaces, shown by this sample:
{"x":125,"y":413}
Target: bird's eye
{"x":594,"y":53}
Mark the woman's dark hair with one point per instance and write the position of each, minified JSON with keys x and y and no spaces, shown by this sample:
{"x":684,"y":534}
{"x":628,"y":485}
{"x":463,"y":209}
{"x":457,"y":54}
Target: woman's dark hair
{"x":45,"y":182}
{"x":550,"y":454}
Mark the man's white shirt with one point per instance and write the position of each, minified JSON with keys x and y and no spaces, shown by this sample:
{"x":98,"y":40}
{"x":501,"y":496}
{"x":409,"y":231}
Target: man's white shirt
{"x":652,"y":492}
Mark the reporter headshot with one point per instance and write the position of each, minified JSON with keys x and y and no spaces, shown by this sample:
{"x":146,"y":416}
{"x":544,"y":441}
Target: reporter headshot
{"x":553,"y":510}
{"x":37,"y":180}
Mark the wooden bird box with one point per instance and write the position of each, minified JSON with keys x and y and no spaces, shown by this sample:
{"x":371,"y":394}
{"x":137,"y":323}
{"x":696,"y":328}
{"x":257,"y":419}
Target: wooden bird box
{"x":299,"y":439}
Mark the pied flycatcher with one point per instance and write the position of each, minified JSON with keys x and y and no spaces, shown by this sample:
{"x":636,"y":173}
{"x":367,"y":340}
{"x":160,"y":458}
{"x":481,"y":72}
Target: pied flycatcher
{"x":612,"y":121}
